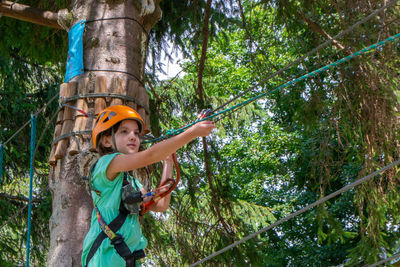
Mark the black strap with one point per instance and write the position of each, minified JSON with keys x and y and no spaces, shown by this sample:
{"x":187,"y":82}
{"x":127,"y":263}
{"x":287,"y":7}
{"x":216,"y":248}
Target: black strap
{"x":118,"y":242}
{"x":124,"y":251}
{"x":115,"y":225}
{"x":125,"y":181}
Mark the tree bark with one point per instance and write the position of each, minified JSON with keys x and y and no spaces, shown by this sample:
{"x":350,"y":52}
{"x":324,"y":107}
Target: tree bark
{"x":201,"y":97}
{"x":204,"y":51}
{"x":115,"y":54}
{"x":316,"y":28}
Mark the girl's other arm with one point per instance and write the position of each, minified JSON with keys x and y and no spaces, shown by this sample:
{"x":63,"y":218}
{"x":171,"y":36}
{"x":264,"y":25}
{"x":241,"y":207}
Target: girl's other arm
{"x":163,"y":204}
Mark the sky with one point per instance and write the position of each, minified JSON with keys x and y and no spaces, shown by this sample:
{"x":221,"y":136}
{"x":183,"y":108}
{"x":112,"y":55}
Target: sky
{"x":171,"y":68}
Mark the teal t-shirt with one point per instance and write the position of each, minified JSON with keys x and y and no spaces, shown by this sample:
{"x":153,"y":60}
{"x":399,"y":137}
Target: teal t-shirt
{"x":108,"y":204}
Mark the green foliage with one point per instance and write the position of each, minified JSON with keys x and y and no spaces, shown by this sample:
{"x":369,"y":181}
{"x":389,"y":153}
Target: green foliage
{"x":32,"y":42}
{"x":27,"y":81}
{"x":180,"y":29}
{"x":267,"y":160}
{"x":322,"y":134}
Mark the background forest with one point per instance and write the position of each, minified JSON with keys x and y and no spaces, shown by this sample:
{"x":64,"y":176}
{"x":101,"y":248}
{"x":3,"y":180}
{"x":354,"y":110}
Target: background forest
{"x":265,"y":161}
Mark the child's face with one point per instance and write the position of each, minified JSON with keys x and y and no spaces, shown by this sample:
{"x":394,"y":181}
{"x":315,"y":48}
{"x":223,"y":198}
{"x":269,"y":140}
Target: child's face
{"x":126,"y":137}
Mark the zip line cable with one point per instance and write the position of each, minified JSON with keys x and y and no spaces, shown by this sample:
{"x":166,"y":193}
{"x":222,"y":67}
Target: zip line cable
{"x":385,"y":260}
{"x":316,"y":203}
{"x":32,"y":161}
{"x":43,"y":133}
{"x":173,"y":132}
{"x":373,"y":14}
{"x":34,"y":149}
{"x":26,"y":123}
{"x":2,"y":145}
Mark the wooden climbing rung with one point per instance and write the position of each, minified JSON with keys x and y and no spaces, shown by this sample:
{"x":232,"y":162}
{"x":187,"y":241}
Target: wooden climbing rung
{"x":71,"y":121}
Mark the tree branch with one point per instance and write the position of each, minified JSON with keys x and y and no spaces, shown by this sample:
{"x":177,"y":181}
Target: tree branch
{"x":214,"y":196}
{"x":201,"y":96}
{"x":30,"y":14}
{"x":154,"y":92}
{"x":245,"y":24}
{"x":204,"y":51}
{"x":17,"y":198}
{"x":316,"y":28}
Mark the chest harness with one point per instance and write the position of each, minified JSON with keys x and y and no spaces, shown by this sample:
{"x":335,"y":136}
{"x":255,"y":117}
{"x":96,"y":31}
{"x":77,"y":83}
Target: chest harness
{"x":131,"y":203}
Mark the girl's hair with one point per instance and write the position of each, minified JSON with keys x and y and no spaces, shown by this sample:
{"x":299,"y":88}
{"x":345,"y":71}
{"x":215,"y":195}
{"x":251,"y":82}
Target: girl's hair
{"x":107,"y":150}
{"x":142,"y":172}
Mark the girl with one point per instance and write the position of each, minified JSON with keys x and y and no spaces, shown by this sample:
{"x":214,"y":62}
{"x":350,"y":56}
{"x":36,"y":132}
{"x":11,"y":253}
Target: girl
{"x":115,"y":237}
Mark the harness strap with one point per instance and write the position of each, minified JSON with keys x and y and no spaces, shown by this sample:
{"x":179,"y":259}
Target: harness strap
{"x":117,"y":240}
{"x":124,"y":251}
{"x":115,"y":225}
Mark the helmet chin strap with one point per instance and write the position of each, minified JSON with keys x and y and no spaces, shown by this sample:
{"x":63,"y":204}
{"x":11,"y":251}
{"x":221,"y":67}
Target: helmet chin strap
{"x":113,"y":139}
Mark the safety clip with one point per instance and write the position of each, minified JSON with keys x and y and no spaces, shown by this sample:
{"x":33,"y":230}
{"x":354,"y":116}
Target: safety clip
{"x":204,"y":113}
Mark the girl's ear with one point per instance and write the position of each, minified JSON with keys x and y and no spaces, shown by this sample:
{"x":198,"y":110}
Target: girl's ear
{"x":106,"y":141}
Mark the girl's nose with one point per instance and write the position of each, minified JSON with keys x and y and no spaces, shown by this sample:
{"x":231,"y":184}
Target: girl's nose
{"x":132,"y":135}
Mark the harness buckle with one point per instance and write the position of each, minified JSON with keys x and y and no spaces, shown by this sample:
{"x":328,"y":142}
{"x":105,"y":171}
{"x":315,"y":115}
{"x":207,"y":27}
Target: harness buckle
{"x":118,"y":239}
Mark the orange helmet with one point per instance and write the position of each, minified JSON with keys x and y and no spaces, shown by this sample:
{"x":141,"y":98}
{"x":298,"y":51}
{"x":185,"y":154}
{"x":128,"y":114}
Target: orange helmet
{"x":111,"y":116}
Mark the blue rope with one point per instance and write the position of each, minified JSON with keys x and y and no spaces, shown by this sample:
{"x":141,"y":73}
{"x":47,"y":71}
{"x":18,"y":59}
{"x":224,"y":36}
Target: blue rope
{"x":1,"y":161}
{"x":28,"y":242}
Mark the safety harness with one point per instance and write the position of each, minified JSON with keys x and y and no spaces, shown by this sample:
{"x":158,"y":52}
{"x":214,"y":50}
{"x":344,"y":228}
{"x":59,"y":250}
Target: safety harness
{"x":117,"y":240}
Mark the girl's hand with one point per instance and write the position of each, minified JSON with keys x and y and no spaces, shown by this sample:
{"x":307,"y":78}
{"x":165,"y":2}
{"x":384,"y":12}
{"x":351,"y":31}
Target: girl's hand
{"x":202,"y":129}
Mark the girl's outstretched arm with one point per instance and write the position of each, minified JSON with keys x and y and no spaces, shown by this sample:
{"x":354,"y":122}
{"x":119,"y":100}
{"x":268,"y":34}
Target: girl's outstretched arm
{"x":158,"y":152}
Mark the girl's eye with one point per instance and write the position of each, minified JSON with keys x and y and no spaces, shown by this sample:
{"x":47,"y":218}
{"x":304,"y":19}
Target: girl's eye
{"x":124,"y":131}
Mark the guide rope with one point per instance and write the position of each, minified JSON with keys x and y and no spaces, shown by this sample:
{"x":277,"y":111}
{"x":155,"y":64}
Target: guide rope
{"x":385,"y":260}
{"x":27,"y":123}
{"x":372,"y":15}
{"x":33,"y":137}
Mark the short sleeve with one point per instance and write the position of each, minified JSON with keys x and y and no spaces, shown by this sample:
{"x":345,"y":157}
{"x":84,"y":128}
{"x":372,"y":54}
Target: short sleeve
{"x":99,"y":178}
{"x":102,"y":165}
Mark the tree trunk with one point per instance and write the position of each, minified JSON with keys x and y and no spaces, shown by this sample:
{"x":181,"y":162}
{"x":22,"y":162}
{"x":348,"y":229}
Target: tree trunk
{"x":118,"y":47}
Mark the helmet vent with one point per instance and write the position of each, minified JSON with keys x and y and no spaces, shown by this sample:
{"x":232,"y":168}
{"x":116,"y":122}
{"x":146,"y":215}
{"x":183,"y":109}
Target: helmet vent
{"x":110,"y":115}
{"x":99,"y":118}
